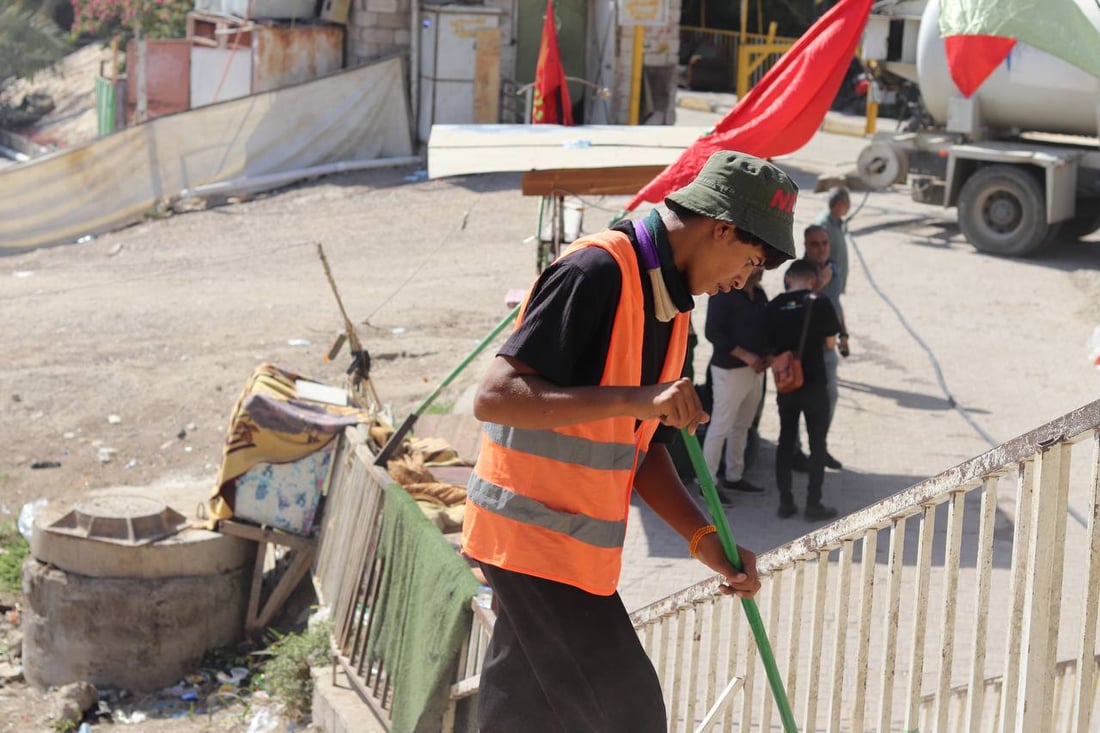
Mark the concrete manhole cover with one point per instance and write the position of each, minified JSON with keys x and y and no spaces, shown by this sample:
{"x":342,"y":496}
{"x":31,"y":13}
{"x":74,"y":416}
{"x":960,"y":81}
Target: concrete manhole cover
{"x":122,"y":519}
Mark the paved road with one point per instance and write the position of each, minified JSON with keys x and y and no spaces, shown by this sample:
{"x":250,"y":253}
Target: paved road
{"x":1009,"y":337}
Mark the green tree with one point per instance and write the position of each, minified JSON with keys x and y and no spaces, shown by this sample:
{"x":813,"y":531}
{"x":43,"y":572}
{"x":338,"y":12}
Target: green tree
{"x":29,"y":41}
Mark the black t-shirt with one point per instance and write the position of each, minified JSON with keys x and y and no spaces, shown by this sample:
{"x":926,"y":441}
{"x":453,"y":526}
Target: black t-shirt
{"x":566,"y":328}
{"x":786,"y":313}
{"x":736,"y":319}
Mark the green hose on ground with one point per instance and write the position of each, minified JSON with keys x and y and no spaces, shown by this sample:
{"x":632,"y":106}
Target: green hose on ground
{"x":752,"y":612}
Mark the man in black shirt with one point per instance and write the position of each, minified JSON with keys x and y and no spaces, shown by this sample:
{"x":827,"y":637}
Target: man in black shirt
{"x":737,"y":328}
{"x":548,"y":501}
{"x":797,"y":311}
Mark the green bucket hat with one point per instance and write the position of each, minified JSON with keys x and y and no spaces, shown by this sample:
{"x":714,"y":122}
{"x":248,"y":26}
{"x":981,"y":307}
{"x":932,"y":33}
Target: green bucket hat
{"x":746,"y":191}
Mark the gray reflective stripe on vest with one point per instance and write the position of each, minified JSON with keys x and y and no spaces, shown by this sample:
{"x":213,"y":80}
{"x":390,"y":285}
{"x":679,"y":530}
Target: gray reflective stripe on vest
{"x":592,"y":531}
{"x":564,"y":448}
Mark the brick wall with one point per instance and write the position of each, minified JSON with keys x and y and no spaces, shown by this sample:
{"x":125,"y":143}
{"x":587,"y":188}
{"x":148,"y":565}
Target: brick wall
{"x":376,"y":27}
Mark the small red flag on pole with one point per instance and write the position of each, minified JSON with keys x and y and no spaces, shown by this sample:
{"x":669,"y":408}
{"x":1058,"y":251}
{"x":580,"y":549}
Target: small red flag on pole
{"x":551,"y":105}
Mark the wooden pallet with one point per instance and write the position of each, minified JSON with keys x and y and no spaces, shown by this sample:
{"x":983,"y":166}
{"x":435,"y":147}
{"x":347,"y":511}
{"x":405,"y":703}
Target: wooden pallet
{"x":218,"y":31}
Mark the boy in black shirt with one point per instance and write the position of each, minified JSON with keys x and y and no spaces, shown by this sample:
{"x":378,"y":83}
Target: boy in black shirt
{"x":787,"y":318}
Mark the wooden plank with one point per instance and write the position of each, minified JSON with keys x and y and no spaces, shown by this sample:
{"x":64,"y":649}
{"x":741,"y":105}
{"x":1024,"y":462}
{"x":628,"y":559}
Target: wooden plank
{"x":487,"y":76}
{"x":455,"y":150}
{"x":287,"y":583}
{"x":265,"y":534}
{"x":610,"y":181}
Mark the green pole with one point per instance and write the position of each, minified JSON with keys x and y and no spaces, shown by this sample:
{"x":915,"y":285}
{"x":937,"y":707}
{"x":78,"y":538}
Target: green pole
{"x":508,"y":319}
{"x":752,"y":612}
{"x":394,"y":442}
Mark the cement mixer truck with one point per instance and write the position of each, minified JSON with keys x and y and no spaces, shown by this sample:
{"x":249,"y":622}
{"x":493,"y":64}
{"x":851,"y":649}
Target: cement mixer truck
{"x":1019,"y":158}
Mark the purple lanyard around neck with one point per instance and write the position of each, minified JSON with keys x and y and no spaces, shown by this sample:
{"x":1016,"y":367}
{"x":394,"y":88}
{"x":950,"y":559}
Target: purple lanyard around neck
{"x":648,"y":246}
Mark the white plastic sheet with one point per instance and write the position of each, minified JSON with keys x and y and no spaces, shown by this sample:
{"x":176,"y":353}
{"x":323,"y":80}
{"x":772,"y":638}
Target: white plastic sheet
{"x":359,"y":114}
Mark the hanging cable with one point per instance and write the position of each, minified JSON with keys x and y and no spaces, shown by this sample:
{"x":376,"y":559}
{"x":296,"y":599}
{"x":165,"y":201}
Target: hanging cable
{"x":928,"y":350}
{"x":916,"y":336}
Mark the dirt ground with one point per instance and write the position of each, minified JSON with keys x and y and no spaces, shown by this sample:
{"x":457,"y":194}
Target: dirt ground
{"x":125,"y":354}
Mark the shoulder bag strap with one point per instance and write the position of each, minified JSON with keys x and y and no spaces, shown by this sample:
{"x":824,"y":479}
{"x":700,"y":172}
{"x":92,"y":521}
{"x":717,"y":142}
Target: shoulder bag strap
{"x":805,"y":325}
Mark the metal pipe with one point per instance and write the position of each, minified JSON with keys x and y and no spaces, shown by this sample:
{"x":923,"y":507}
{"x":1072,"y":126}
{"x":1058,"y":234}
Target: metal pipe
{"x":282,"y":178}
{"x":414,"y":65}
{"x":638,"y":64}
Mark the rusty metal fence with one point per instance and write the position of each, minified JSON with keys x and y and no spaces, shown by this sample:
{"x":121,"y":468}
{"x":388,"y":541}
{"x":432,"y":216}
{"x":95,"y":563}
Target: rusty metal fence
{"x":739,"y":60}
{"x":348,"y":574}
{"x":967,"y":602}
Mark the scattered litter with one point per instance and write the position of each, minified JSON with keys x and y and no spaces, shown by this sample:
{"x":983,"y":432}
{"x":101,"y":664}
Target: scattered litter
{"x":398,"y":329}
{"x":23,"y":273}
{"x":114,"y":250}
{"x":1095,"y":344}
{"x":187,"y":449}
{"x":182,"y":433}
{"x":68,"y":435}
{"x":46,"y":464}
{"x":266,"y":720}
{"x":84,"y":728}
{"x":26,"y":517}
{"x":169,"y":443}
{"x":113,"y":419}
{"x":133,"y":719}
{"x":10,"y":672}
{"x":130,"y":464}
{"x":416,"y":176}
{"x":85,"y":239}
{"x":189,"y":696}
{"x":105,"y":454}
{"x":192,"y":427}
{"x":234,"y":678}
{"x":321,"y":615}
{"x":298,"y":342}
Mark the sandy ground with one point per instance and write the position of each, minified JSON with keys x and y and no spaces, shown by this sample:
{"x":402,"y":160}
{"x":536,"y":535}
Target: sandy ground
{"x":133,"y":347}
{"x":161,"y":324}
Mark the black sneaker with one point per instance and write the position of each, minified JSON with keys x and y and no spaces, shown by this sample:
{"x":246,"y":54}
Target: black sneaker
{"x":819,"y":512}
{"x":832,"y":463}
{"x":786,"y":511}
{"x":800,"y":462}
{"x":741,"y":485}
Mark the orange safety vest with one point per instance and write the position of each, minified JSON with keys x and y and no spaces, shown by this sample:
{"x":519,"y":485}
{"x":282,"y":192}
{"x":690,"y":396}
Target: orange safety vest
{"x":553,"y":503}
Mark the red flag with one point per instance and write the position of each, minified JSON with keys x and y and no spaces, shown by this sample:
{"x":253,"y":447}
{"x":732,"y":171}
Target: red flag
{"x":783,"y":111}
{"x":551,"y":105}
{"x":971,"y":59}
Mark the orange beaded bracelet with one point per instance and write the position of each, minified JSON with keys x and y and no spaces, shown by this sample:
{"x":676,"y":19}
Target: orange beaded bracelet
{"x":700,"y":533}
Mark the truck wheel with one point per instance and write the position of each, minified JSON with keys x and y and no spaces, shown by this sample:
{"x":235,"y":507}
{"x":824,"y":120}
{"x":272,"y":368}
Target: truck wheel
{"x":1002,"y":211}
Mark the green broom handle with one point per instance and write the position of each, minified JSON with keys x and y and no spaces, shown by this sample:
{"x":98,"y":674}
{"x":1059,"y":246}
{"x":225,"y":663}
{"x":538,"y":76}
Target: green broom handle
{"x":510,"y":318}
{"x":752,"y":612}
{"x":394,"y":443}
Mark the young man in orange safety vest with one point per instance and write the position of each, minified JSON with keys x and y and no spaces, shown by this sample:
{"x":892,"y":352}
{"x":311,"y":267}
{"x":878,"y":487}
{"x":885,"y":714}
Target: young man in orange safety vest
{"x":578,"y":406}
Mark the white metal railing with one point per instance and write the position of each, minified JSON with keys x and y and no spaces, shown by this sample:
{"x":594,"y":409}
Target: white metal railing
{"x":964,"y":603}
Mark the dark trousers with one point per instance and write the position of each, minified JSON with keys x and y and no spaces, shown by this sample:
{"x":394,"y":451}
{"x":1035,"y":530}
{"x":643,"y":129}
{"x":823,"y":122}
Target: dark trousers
{"x":562,"y":660}
{"x":813,"y":402}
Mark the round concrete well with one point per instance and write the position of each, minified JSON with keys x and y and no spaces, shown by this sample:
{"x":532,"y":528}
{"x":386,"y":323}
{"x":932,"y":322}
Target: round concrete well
{"x":118,"y":595}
